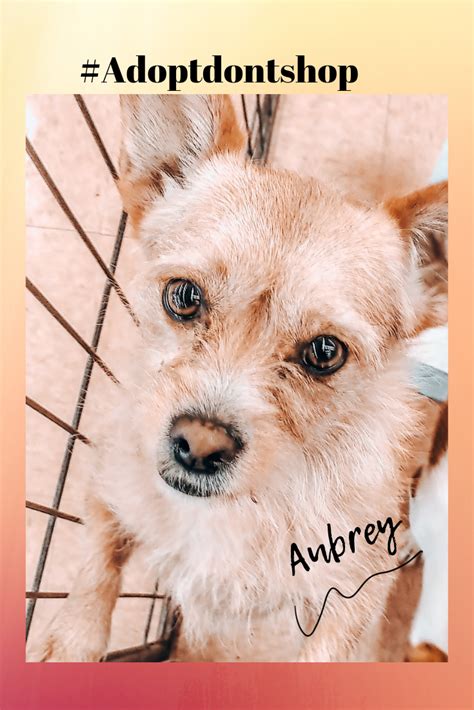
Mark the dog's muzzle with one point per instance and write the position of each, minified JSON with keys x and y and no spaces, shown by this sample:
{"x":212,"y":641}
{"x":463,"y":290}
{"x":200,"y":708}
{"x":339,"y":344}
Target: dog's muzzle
{"x":203,"y":450}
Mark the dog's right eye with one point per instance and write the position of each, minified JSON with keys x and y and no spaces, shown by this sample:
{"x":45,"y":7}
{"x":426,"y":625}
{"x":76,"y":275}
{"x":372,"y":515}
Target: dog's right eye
{"x":182,"y":299}
{"x":324,"y":355}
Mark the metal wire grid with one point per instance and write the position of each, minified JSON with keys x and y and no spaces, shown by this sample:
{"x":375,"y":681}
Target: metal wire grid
{"x":259,"y":121}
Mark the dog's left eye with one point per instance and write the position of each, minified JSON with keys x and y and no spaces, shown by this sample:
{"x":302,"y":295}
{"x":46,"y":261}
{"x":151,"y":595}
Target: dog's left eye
{"x":182,"y":299}
{"x":324,"y":355}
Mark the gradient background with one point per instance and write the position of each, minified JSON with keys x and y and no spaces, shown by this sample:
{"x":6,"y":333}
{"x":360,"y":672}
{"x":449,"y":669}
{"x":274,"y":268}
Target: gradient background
{"x":409,"y":47}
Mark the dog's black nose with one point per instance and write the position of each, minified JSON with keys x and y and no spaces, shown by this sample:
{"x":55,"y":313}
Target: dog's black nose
{"x":203,"y":445}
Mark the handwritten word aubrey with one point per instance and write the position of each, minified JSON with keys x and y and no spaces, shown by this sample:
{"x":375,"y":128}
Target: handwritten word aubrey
{"x":337,"y":546}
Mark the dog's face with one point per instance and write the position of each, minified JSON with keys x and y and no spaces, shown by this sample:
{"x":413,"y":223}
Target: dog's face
{"x":273,"y":310}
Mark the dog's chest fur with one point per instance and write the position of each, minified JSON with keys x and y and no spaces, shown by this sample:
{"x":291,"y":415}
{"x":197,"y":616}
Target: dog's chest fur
{"x":227,"y":563}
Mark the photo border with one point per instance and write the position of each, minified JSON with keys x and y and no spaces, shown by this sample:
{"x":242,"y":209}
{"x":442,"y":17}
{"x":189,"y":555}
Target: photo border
{"x":398,"y":47}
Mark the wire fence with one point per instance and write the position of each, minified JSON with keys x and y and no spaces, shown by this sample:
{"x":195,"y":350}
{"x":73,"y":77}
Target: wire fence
{"x":258,"y":114}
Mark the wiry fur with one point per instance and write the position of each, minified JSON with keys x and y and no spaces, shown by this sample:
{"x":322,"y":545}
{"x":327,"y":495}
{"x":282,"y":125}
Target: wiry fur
{"x":280,"y":260}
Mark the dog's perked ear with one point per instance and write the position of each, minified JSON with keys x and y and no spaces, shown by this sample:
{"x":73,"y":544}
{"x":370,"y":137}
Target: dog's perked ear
{"x":167,"y":137}
{"x":422,"y":217}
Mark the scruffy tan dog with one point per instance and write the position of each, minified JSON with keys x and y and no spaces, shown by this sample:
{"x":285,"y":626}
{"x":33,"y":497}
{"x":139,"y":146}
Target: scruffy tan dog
{"x":269,"y":396}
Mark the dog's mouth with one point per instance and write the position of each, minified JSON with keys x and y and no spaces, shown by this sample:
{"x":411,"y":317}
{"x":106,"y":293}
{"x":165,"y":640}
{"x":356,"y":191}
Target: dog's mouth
{"x":199,"y":485}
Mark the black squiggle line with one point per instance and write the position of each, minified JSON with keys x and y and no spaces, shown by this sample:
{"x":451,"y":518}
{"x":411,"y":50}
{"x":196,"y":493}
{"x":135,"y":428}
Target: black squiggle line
{"x":350,"y":596}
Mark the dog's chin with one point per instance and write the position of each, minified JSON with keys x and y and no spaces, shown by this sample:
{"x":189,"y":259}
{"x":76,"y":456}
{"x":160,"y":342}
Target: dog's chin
{"x":198,"y":485}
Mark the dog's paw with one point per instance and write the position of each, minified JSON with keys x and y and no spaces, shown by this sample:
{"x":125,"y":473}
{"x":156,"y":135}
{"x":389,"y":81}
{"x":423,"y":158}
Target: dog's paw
{"x":54,"y":651}
{"x":407,"y":546}
{"x":70,"y":649}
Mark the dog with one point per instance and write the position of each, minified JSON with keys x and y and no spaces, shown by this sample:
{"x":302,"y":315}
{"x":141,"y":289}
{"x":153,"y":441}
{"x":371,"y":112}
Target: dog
{"x":428,"y":518}
{"x":268,"y":394}
{"x":429,"y":532}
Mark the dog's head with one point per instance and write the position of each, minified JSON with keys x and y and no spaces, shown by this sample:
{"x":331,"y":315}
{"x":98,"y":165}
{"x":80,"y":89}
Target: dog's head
{"x":274,"y":310}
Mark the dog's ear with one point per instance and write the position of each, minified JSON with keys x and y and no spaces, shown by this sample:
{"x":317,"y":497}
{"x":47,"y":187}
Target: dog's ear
{"x":167,"y":137}
{"x":422,"y":217}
